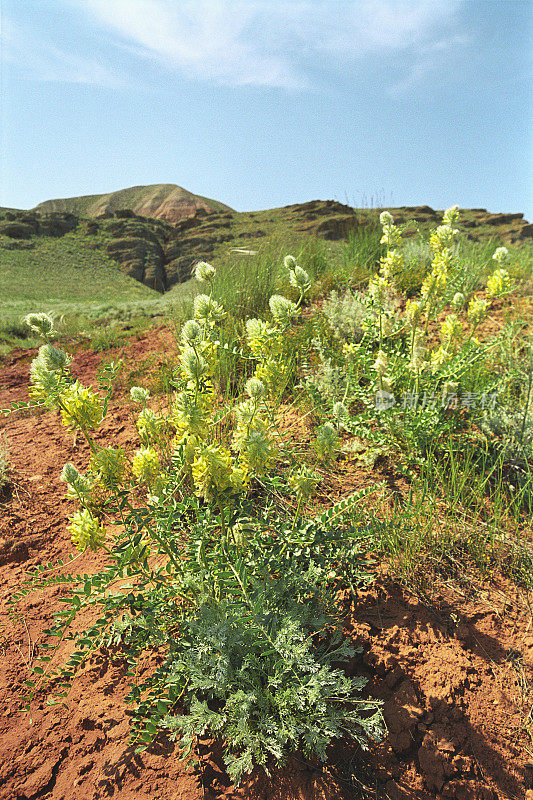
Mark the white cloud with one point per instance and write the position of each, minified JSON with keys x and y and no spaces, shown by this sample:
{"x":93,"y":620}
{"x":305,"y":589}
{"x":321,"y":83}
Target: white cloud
{"x":428,"y":64}
{"x":39,"y":59}
{"x":271,"y":43}
{"x":209,"y":39}
{"x":263,"y":42}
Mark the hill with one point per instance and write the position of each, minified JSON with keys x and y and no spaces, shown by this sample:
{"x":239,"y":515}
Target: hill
{"x":57,"y":267}
{"x":160,"y":255}
{"x":161,"y":201}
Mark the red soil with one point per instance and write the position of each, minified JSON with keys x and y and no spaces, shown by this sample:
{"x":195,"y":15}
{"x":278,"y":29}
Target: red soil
{"x":455,"y":674}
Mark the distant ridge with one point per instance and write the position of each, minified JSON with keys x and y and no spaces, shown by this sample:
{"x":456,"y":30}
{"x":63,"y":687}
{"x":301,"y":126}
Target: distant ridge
{"x":161,"y":201}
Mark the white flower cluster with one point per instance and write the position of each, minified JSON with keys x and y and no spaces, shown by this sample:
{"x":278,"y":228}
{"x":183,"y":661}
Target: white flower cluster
{"x":282,"y":309}
{"x":256,"y":389}
{"x":458,"y":301}
{"x":446,"y":235}
{"x":391,"y":234}
{"x":191,"y":332}
{"x":204,"y":272}
{"x":49,"y":371}
{"x":139,"y":395}
{"x":298,"y":277}
{"x":79,"y":486}
{"x":207,"y":311}
{"x":193,"y":365}
{"x":500,"y":255}
{"x":451,"y":216}
{"x":340,"y":413}
{"x":40,"y":323}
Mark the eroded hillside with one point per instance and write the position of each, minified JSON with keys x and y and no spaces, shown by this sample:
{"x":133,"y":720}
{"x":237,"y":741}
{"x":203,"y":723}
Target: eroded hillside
{"x":160,"y":253}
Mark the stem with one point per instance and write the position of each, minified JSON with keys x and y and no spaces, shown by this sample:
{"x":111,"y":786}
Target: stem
{"x":161,"y":542}
{"x":529,"y":387}
{"x":428,"y":312}
{"x":222,"y":519}
{"x":81,"y":428}
{"x":411,"y":349}
{"x":295,"y":516}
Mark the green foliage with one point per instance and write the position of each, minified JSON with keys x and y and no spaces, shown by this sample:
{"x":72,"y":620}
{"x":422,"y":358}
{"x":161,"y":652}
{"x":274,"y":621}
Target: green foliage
{"x":252,"y":655}
{"x":77,"y":283}
{"x":346,"y":315}
{"x":405,"y":391}
{"x":265,"y":686}
{"x":363,"y":250}
{"x":16,"y":230}
{"x":415,"y":266}
{"x":244,"y":287}
{"x":209,"y":566}
{"x":509,"y":439}
{"x":237,"y":598}
{"x":60,"y":269}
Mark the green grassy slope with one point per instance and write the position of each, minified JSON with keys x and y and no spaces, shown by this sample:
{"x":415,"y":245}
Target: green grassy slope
{"x":63,"y":272}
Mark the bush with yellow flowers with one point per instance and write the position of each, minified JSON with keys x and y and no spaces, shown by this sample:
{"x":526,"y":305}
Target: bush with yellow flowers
{"x":217,"y":572}
{"x":394,"y":370}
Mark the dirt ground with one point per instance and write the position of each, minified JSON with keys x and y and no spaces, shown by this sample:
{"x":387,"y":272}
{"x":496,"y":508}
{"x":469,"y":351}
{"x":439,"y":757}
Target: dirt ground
{"x":455,"y":674}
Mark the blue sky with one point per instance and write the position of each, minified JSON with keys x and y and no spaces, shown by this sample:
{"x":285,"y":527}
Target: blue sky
{"x":263,"y":103}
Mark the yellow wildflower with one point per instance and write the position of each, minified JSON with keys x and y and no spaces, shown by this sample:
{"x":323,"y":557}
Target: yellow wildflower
{"x":86,"y":531}
{"x":499,"y":283}
{"x":80,"y":407}
{"x":304,"y":482}
{"x":412,"y":312}
{"x":145,"y":465}
{"x":450,"y":330}
{"x":211,"y":471}
{"x":477,"y":311}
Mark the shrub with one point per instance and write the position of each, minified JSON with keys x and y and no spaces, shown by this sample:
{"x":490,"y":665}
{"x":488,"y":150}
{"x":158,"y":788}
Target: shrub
{"x":240,"y":606}
{"x":346,"y":315}
{"x":409,"y":388}
{"x":16,"y":230}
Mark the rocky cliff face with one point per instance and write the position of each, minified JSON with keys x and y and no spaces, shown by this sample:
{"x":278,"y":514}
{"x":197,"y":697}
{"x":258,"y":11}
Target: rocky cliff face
{"x":25,"y":224}
{"x":478,"y":223}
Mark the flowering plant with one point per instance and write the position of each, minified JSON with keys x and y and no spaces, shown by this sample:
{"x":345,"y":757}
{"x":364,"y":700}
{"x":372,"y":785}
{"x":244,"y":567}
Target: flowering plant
{"x":397,"y":368}
{"x":207,"y":585}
